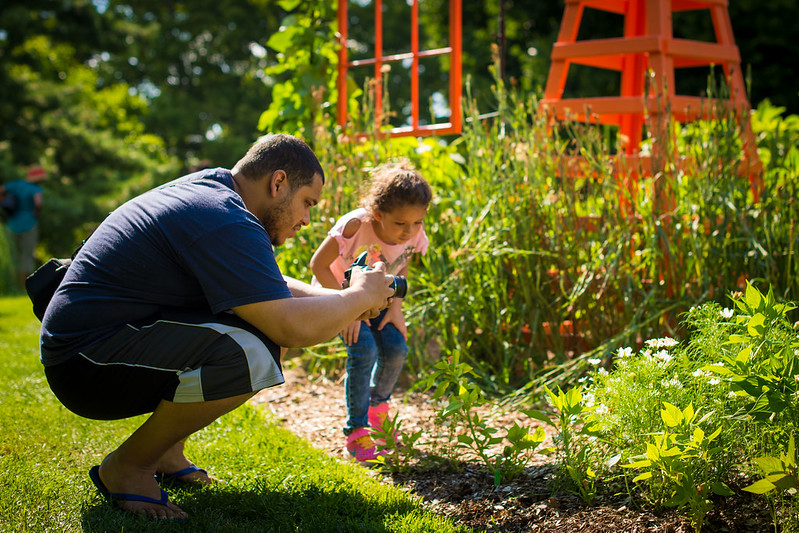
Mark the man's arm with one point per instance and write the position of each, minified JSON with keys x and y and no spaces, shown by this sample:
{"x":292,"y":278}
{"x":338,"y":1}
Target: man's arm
{"x":320,"y":314}
{"x":300,"y":289}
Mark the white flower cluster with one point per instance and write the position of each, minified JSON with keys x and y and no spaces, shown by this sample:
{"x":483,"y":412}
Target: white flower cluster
{"x":589,"y":399}
{"x":663,"y":355}
{"x":727,"y":313}
{"x":624,"y":352}
{"x":665,"y":342}
{"x":673,"y":383}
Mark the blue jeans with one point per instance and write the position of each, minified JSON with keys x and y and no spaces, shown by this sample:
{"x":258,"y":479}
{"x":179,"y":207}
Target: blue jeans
{"x":374,"y":364}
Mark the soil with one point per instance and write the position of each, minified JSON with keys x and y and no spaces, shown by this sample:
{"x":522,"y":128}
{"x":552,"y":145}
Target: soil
{"x":313,"y":409}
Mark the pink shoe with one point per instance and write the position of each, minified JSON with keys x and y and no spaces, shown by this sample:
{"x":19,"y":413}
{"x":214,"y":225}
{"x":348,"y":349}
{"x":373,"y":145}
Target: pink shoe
{"x":378,"y":414}
{"x":361,"y":445}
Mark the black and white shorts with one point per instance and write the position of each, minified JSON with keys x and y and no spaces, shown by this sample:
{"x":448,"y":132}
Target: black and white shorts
{"x":182,"y":357}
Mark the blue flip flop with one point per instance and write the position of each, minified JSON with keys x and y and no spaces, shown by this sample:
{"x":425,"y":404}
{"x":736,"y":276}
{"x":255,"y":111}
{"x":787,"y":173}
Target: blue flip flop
{"x":94,"y":475}
{"x":180,"y":473}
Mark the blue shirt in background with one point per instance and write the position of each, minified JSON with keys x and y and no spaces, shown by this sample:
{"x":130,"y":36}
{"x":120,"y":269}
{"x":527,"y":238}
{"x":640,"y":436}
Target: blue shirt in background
{"x":24,"y":218}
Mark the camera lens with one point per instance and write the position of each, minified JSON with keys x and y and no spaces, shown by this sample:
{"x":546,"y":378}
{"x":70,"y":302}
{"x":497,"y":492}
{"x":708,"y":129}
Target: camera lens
{"x":400,"y":285}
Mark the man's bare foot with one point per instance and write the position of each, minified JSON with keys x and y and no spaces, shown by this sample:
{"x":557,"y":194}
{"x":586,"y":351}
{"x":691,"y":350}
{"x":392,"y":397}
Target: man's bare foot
{"x":119,"y":478}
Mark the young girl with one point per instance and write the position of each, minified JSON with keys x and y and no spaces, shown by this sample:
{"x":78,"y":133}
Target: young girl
{"x":389,"y":225}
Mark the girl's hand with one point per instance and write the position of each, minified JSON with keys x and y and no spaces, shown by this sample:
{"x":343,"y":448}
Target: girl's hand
{"x":350,"y":333}
{"x":395,"y":316}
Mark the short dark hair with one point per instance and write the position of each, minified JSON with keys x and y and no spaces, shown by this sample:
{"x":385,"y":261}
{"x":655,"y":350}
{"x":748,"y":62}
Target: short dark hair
{"x":278,"y":151}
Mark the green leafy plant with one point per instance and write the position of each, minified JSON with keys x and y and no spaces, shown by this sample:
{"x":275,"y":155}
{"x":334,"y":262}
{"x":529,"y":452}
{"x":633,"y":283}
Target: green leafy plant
{"x":306,"y":57}
{"x":780,"y":473}
{"x":399,"y":446}
{"x":679,"y":464}
{"x":780,"y":483}
{"x":451,"y":377}
{"x":572,"y":423}
{"x":764,"y":366}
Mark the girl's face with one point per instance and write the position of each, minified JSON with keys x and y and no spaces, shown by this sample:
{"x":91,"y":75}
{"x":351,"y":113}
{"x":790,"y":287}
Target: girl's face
{"x":399,"y":225}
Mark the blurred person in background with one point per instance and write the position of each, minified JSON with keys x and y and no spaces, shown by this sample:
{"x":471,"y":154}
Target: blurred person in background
{"x":23,"y":221}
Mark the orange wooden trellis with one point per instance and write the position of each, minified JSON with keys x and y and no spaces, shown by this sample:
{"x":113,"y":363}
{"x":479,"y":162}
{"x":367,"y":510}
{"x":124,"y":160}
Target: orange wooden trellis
{"x":648,"y":45}
{"x":453,"y":50}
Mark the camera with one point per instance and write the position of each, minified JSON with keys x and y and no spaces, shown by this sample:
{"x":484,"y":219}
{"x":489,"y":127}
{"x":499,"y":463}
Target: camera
{"x":399,"y":283}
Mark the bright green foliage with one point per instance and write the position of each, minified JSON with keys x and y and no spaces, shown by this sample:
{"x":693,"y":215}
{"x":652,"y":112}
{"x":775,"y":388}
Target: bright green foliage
{"x":573,"y":441}
{"x":453,"y":380}
{"x":628,"y":399}
{"x":399,"y":446}
{"x":764,"y":366}
{"x":679,"y":464}
{"x":735,"y":368}
{"x":306,"y":58}
{"x":781,"y":473}
{"x":778,"y":135}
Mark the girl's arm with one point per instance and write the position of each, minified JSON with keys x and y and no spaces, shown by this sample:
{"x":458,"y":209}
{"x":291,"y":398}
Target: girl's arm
{"x":327,"y":253}
{"x":321,"y":261}
{"x":320,"y":266}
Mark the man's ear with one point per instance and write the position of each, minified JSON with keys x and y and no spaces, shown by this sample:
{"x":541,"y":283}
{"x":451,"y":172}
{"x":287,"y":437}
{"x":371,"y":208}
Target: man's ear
{"x":278,"y":180}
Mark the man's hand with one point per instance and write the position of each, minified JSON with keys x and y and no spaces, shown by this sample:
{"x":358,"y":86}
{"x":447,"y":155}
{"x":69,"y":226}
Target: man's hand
{"x":320,"y":314}
{"x":377,"y":283}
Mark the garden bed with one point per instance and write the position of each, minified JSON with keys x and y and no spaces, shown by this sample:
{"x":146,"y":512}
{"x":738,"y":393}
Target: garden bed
{"x":313,"y":409}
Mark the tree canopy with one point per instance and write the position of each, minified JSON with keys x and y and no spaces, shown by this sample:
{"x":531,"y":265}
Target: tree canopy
{"x":113,"y":96}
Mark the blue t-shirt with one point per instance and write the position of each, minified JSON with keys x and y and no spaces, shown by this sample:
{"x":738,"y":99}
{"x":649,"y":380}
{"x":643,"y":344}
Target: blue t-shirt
{"x":23,"y":219}
{"x":189,"y":244}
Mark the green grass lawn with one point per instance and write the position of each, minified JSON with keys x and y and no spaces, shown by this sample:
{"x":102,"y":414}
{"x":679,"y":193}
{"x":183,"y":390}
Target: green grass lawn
{"x":273,"y":480}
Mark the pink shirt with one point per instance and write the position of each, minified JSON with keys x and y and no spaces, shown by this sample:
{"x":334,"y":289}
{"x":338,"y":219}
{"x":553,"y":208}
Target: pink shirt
{"x":395,"y":256}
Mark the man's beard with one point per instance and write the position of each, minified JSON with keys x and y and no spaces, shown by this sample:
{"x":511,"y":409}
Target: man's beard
{"x":273,"y":218}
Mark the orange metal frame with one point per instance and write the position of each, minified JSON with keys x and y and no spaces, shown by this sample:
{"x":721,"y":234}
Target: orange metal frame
{"x":647,"y":44}
{"x":454,"y":125}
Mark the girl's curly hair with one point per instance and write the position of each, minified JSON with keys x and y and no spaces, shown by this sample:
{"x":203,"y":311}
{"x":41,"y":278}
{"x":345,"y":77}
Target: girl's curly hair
{"x":395,"y":185}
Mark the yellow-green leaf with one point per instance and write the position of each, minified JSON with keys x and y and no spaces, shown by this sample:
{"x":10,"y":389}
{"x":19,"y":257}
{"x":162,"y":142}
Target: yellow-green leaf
{"x":756,"y":326}
{"x":699,"y":436}
{"x":753,"y":296}
{"x":671,"y":415}
{"x":769,"y":465}
{"x":688,"y":413}
{"x":652,"y":451}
